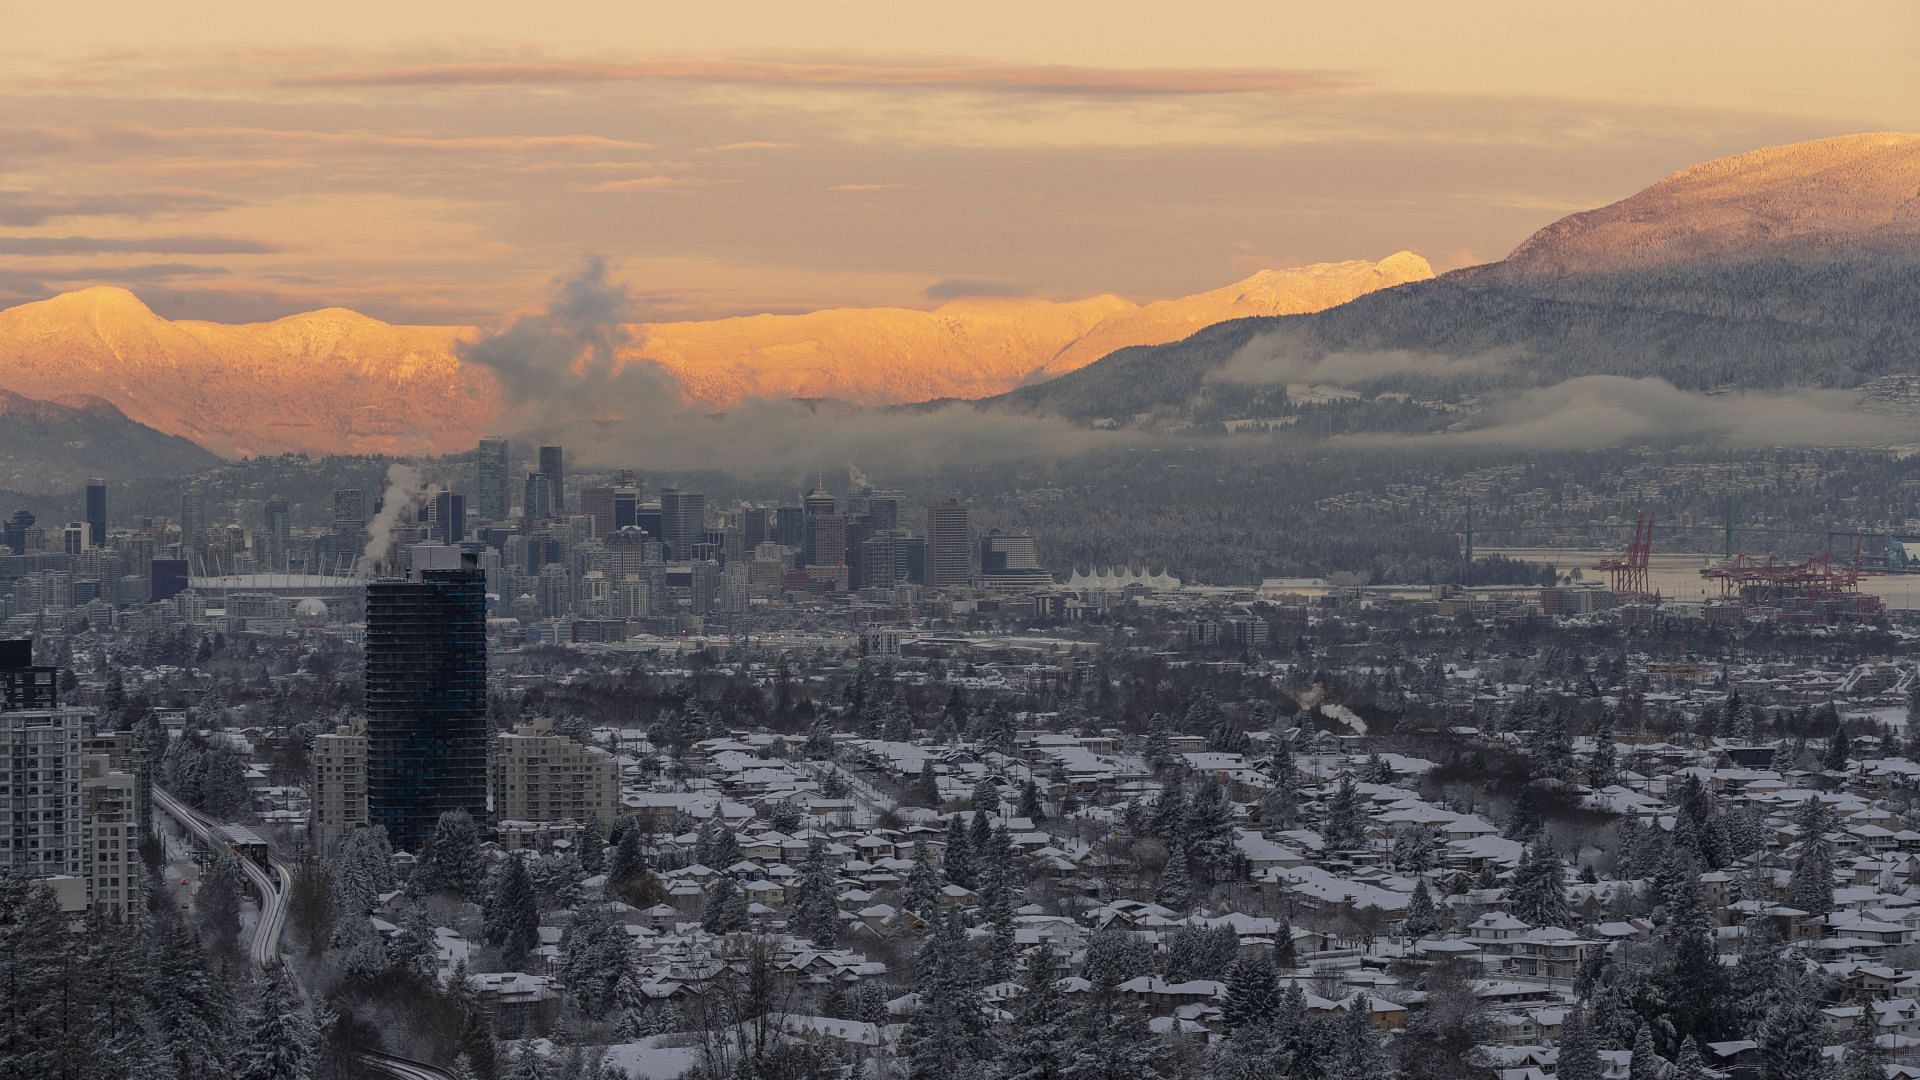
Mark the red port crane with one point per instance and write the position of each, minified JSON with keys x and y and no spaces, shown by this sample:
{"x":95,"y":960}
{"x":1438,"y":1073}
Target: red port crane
{"x":1627,"y":573}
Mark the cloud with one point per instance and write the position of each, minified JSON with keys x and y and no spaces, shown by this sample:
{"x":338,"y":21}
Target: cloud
{"x":150,"y":245}
{"x":561,"y":378}
{"x":1050,"y":79}
{"x":866,"y":187}
{"x":640,"y":183}
{"x":745,"y":146}
{"x":1595,"y":411}
{"x":36,"y":208}
{"x":955,"y":288}
{"x":1281,"y":357}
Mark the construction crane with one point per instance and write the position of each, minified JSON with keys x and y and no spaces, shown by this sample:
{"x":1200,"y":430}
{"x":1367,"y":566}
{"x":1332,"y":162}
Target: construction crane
{"x":1823,"y":587}
{"x":1627,"y":573}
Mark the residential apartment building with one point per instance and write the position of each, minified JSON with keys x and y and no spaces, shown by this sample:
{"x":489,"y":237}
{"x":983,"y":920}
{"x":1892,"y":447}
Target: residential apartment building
{"x":339,"y":786}
{"x":541,"y":776}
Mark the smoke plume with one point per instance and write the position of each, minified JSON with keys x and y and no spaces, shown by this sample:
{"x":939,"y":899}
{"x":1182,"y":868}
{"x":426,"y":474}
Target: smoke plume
{"x":565,"y":379}
{"x":402,"y":496}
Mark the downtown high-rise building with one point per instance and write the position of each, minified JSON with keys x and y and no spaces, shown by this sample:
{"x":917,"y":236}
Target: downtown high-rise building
{"x":536,"y":499}
{"x":426,"y":699}
{"x":553,"y":466}
{"x":277,"y":539}
{"x":949,"y":546}
{"x":683,"y":521}
{"x":449,"y":517}
{"x":490,"y":484}
{"x":96,"y":512}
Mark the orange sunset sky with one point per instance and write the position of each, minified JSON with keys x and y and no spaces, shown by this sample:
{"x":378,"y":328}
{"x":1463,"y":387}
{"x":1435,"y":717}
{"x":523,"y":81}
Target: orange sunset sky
{"x":441,"y":162}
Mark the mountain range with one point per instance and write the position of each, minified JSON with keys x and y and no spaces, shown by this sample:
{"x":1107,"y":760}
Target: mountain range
{"x":56,"y":445}
{"x":1794,"y":266}
{"x":335,"y":381}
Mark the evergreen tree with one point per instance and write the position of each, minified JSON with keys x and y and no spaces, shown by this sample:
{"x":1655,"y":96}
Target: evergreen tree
{"x":949,"y":1033}
{"x":1423,"y":917}
{"x":1793,"y":1035}
{"x":1355,"y":1052}
{"x":1603,"y":765}
{"x":362,"y":871}
{"x":414,"y":947}
{"x":1646,"y":1063}
{"x":1757,"y":976}
{"x":922,"y":892}
{"x":1253,"y":993}
{"x":724,"y":910}
{"x":278,"y":1042}
{"x":1113,"y":1042}
{"x":986,"y":797}
{"x":1692,"y":1064}
{"x":218,"y":902}
{"x":593,"y":846}
{"x":1113,"y":957}
{"x":1538,"y":895}
{"x":628,"y":867}
{"x":452,"y":861}
{"x":1523,"y":819}
{"x":1345,"y":828}
{"x":1865,"y":1059}
{"x":1030,"y":807}
{"x":1280,"y":807}
{"x":816,"y":908}
{"x":957,"y":861}
{"x":1839,"y":751}
{"x":1169,"y":813}
{"x":1692,"y":978}
{"x":511,"y":917}
{"x":1811,"y":887}
{"x":1209,"y":829}
{"x":1036,"y":1047}
{"x":1579,"y":1048}
{"x":1176,"y":885}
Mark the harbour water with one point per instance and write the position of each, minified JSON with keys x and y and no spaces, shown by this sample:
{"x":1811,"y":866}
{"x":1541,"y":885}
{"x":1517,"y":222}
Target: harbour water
{"x":1677,"y":577}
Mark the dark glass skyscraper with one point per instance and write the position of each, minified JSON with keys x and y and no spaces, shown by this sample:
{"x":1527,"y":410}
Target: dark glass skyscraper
{"x":96,"y":512}
{"x":553,"y":466}
{"x":426,"y":700}
{"x":491,"y":483}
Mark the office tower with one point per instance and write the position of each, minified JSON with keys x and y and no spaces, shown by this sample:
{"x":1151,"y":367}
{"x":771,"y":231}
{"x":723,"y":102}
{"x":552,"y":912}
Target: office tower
{"x":683,"y":518}
{"x":626,"y":507}
{"x":736,"y":580}
{"x":597,"y":503}
{"x":13,"y":533}
{"x":96,"y":512}
{"x":540,"y":776}
{"x":826,"y":543}
{"x":818,"y":501}
{"x":193,"y":521}
{"x":278,"y":537}
{"x":949,"y":546}
{"x":339,"y":782}
{"x":1000,"y":552}
{"x":879,"y":562}
{"x":913,"y":558}
{"x":789,"y":526}
{"x":553,"y":466}
{"x":858,"y":531}
{"x":449,"y":517}
{"x":756,"y":527}
{"x":426,"y":695}
{"x":648,"y":519}
{"x":491,"y":481}
{"x":42,"y":827}
{"x":166,"y":578}
{"x":884,"y":508}
{"x":537,"y":500}
{"x":73,"y":538}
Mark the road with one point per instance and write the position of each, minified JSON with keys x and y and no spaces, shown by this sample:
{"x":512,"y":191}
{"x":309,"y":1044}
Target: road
{"x":264,"y":951}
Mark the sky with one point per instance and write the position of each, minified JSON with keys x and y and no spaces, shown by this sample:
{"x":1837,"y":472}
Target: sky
{"x":437,"y":162}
